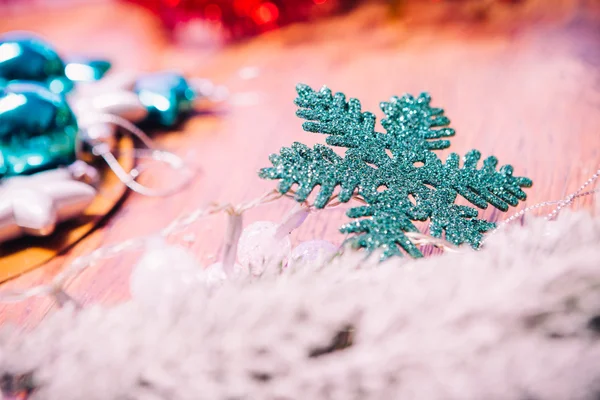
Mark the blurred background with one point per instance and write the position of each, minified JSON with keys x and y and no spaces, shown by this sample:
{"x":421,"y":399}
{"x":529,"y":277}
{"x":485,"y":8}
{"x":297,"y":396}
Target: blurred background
{"x":230,"y":20}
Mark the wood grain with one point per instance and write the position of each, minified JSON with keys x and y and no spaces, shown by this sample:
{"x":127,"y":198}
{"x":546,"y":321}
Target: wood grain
{"x":526,"y":89}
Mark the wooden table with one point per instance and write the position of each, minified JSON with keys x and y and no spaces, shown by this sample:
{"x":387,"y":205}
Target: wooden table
{"x":524,"y":88}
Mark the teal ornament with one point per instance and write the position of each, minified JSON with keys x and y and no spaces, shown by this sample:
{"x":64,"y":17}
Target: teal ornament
{"x":397,"y":173}
{"x":86,"y":70}
{"x":166,"y":95}
{"x":29,"y":58}
{"x":38,"y":130}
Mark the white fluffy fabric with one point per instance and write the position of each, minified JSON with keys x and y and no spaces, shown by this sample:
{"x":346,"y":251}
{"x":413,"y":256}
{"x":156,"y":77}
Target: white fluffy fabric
{"x":518,"y":320}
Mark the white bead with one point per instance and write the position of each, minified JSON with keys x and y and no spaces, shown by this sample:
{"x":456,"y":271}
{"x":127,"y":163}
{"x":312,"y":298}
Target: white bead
{"x":165,"y":275}
{"x":312,"y":251}
{"x":258,"y":248}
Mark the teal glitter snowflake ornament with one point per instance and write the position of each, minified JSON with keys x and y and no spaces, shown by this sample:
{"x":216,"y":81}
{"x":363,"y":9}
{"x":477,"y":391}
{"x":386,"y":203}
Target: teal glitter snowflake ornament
{"x":396,"y":173}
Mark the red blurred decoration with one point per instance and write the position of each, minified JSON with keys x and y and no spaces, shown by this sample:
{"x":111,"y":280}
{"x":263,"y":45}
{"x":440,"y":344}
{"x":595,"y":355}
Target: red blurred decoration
{"x":237,"y":19}
{"x":243,"y":18}
{"x":265,"y":13}
{"x":212,"y":12}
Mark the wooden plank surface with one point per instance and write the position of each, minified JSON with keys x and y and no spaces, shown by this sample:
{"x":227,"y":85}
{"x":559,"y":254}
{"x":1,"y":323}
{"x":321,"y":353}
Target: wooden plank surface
{"x":524,"y":88}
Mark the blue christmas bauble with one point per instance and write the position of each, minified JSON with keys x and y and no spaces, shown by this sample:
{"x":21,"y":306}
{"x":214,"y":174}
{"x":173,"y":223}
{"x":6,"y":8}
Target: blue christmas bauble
{"x":26,"y":57}
{"x":38,"y":130}
{"x":166,"y":95}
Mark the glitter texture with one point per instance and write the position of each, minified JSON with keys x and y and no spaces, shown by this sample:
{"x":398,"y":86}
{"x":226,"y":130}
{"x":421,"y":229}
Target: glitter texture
{"x":397,"y":173}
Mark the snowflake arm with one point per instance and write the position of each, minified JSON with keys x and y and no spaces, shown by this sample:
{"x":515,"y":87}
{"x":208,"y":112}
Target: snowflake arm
{"x":459,"y":223}
{"x":382,"y":226}
{"x":308,"y":168}
{"x":415,"y":125}
{"x":486,"y":185}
